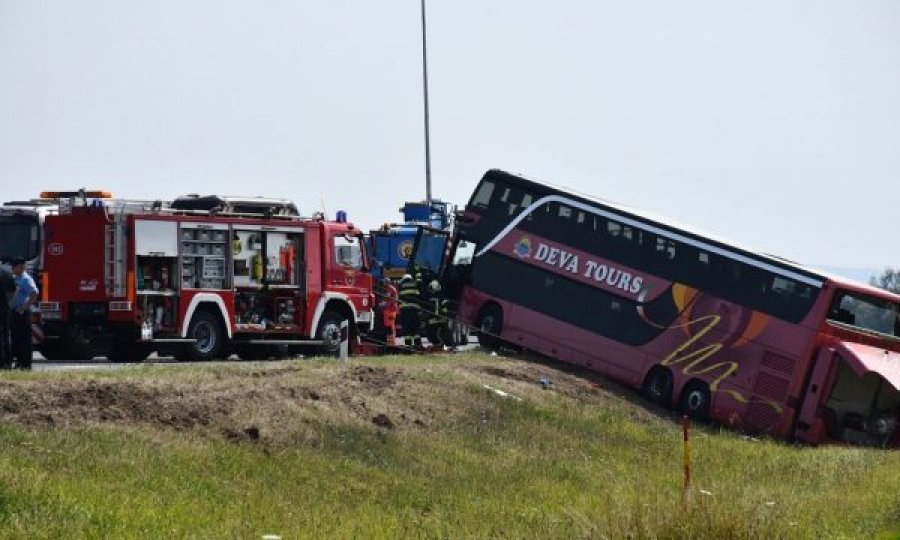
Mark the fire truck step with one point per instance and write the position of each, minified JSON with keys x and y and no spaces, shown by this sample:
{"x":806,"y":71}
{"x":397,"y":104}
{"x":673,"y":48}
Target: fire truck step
{"x":280,"y":342}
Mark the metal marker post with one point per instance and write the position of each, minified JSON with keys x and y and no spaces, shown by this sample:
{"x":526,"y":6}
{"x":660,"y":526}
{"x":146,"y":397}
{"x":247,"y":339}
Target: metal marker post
{"x":686,"y":430}
{"x":345,"y":340}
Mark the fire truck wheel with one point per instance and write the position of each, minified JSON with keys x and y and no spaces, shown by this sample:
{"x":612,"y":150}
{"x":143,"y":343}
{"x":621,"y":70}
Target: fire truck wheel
{"x":490,"y":323}
{"x":329,"y":332}
{"x":207,"y":330}
{"x":695,"y":400}
{"x":71,"y":345}
{"x":657,"y":386}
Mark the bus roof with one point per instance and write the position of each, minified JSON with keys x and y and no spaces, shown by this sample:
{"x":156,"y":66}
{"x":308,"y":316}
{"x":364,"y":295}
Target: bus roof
{"x":673,"y":227}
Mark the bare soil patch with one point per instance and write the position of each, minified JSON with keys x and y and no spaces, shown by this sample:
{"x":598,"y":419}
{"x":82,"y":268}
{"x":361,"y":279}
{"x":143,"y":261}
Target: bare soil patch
{"x":275,"y":403}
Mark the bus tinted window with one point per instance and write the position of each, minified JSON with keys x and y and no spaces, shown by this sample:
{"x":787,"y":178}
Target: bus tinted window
{"x":729,"y":278}
{"x":866,"y":312}
{"x":582,"y":305}
{"x":483,"y":196}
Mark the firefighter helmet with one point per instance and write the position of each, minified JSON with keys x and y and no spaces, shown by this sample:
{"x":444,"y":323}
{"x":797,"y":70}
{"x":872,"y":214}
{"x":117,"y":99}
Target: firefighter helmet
{"x":434,"y":286}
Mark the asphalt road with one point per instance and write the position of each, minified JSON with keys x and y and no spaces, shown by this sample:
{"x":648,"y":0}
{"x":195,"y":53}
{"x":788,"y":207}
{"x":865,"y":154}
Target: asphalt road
{"x":40,"y":364}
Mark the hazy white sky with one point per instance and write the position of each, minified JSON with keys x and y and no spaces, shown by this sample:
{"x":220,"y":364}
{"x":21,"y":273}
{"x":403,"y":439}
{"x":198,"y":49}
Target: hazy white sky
{"x":773,"y":123}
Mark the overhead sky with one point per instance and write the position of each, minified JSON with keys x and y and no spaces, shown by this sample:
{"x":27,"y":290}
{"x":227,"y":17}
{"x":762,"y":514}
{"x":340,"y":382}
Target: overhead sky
{"x":773,"y":123}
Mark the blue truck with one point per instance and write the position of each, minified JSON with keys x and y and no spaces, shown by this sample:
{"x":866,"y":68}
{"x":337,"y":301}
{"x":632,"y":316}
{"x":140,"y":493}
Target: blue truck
{"x":392,"y":245}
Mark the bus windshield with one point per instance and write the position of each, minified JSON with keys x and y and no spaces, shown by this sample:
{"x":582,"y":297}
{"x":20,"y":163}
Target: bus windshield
{"x":19,"y":238}
{"x":866,"y":312}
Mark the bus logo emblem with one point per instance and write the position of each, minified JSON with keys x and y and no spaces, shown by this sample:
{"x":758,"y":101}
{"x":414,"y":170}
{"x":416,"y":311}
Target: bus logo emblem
{"x":523,"y":247}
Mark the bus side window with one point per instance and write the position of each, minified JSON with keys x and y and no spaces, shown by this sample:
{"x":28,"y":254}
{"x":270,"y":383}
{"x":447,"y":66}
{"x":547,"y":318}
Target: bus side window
{"x":700,"y":268}
{"x":527,"y":199}
{"x":584,"y":237}
{"x":613,"y":229}
{"x":566,"y":222}
{"x":726,"y":277}
{"x":483,"y":197}
{"x":499,"y":204}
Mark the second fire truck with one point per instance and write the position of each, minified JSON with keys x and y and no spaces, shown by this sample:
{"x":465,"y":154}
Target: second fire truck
{"x":203,"y":277}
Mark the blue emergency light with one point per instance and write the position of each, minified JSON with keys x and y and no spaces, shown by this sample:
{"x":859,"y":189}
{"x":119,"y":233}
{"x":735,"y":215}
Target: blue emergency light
{"x":341,"y":216}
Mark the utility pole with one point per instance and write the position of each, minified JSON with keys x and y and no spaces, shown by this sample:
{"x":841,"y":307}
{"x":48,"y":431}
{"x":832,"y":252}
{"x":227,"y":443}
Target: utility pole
{"x":425,"y":90}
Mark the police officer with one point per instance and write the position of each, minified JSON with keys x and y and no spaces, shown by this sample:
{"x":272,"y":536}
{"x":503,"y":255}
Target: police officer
{"x":20,"y":322}
{"x":410,"y":305}
{"x":7,"y":288}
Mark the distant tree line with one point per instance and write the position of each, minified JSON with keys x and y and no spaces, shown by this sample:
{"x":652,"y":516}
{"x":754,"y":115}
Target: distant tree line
{"x":888,"y":280}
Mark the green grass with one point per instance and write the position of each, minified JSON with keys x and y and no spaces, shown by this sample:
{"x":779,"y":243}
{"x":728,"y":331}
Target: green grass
{"x":545,"y":467}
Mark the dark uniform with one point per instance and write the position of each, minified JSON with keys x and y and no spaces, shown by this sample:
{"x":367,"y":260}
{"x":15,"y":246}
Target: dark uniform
{"x":7,"y":287}
{"x":410,"y":304}
{"x":436,"y":316}
{"x":439,"y":323}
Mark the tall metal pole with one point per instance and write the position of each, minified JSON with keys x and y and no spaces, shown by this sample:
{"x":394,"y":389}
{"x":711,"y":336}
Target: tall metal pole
{"x":425,"y":90}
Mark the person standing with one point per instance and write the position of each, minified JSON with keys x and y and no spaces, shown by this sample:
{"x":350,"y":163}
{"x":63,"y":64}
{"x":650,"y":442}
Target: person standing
{"x":410,"y":305}
{"x":7,"y":288}
{"x":20,"y":322}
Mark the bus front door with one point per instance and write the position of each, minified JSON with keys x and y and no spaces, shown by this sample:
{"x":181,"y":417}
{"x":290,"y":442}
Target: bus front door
{"x":811,"y":426}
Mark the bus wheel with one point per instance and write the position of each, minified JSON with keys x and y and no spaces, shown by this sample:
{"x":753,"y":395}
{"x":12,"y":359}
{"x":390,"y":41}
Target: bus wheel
{"x":695,"y":400}
{"x":490,"y":323}
{"x":658,"y":386}
{"x":209,"y":336}
{"x":329,"y":333}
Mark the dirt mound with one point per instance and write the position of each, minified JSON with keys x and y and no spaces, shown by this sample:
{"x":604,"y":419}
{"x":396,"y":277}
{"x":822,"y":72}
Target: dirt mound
{"x":282,"y":402}
{"x":583,"y":386}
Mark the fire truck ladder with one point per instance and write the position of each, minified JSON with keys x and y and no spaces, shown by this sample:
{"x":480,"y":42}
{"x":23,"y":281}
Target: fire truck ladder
{"x":114,"y":251}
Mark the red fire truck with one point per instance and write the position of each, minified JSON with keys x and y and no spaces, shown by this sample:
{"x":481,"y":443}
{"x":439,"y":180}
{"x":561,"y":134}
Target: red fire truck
{"x":203,"y":277}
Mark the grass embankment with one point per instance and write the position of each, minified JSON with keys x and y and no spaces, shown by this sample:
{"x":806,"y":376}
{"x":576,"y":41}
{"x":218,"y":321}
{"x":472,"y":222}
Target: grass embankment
{"x":402,"y":447}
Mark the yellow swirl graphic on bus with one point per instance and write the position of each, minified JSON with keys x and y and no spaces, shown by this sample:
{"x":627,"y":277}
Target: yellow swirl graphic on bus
{"x":692,"y":360}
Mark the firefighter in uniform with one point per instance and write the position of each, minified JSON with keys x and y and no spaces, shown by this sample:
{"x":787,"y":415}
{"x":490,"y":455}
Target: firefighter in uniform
{"x":410,"y":305}
{"x":437,"y":315}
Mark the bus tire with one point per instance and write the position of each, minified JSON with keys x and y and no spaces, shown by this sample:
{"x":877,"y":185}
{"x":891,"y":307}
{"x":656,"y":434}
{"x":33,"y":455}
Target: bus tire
{"x":207,"y":329}
{"x":490,"y":324}
{"x":658,"y":386}
{"x":329,"y":333}
{"x":695,"y":400}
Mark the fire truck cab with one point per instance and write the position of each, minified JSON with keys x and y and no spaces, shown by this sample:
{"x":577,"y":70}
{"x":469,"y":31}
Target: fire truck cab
{"x":204,"y":277}
{"x":21,"y":235}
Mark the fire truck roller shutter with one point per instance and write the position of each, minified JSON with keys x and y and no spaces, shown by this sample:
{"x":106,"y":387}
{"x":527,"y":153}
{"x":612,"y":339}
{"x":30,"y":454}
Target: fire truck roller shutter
{"x":216,"y":304}
{"x":335,"y":302}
